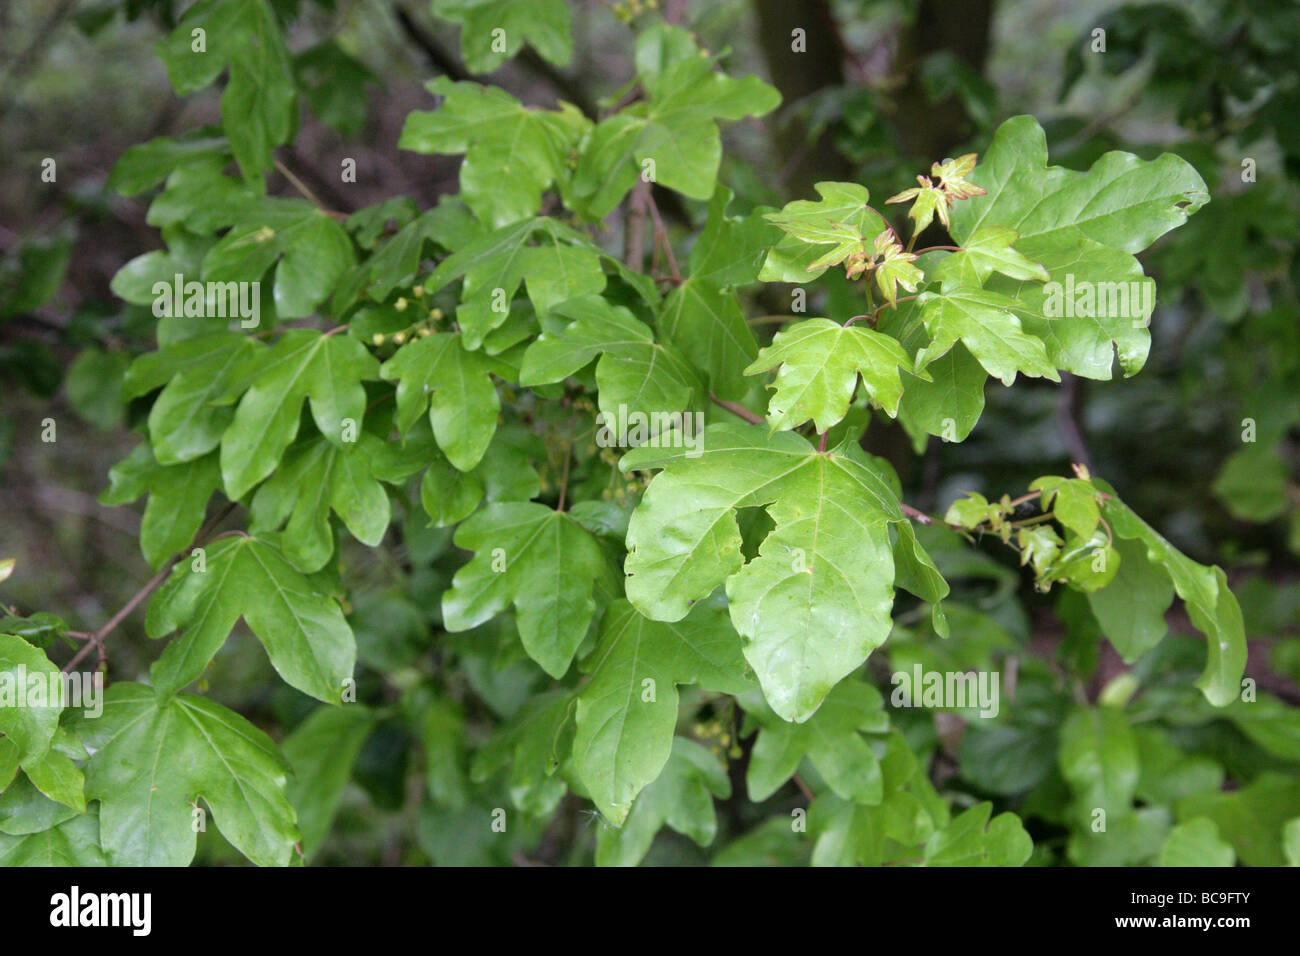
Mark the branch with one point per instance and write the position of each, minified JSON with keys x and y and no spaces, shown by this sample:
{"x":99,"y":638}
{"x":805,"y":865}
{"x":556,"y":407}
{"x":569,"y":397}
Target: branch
{"x":439,"y":57}
{"x":737,"y":409}
{"x":1066,"y":414}
{"x":97,"y":639}
{"x":633,"y":239}
{"x":917,"y":515}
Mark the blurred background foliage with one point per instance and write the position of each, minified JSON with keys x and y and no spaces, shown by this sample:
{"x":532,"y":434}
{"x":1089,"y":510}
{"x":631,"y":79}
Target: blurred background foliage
{"x":1216,"y":81}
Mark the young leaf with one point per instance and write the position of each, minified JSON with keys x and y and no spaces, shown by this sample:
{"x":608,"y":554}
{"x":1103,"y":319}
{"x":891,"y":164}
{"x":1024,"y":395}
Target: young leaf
{"x":988,"y":251}
{"x":983,"y":323}
{"x":842,"y":219}
{"x":820,"y":363}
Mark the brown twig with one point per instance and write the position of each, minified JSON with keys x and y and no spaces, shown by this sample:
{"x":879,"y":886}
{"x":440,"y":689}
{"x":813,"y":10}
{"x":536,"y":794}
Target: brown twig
{"x":661,"y":235}
{"x":96,"y":640}
{"x":299,"y":185}
{"x":737,"y":409}
{"x":633,"y":233}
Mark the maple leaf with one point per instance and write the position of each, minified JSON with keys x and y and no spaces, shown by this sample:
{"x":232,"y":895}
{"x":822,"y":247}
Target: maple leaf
{"x":895,"y":267}
{"x":929,"y":200}
{"x":952,"y":174}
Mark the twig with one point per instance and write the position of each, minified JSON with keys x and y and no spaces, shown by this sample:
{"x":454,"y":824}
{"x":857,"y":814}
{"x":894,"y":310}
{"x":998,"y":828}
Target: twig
{"x":737,"y":409}
{"x":564,"y":479}
{"x":661,"y":235}
{"x":96,"y":640}
{"x":916,"y":514}
{"x":633,"y":238}
{"x":807,"y":791}
{"x":1066,"y":420}
{"x":299,"y":185}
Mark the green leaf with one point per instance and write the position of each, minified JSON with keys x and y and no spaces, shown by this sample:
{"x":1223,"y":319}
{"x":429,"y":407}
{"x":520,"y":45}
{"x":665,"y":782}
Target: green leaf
{"x":1253,"y":484}
{"x":493,"y":266}
{"x":154,"y":757}
{"x":816,"y":600}
{"x":627,"y":711}
{"x":1083,"y":228}
{"x":24,"y":809}
{"x":842,"y":219}
{"x":983,"y":323}
{"x":1269,"y":722}
{"x":820,"y":362}
{"x":321,"y":752}
{"x":705,"y":321}
{"x":1291,"y":842}
{"x":950,"y":403}
{"x":73,"y":842}
{"x":988,"y":250}
{"x":146,"y":165}
{"x":178,"y":499}
{"x":493,"y":31}
{"x":675,"y":127}
{"x":1072,"y":501}
{"x":512,"y":154}
{"x":971,"y":839}
{"x":1131,"y":609}
{"x":201,"y":378}
{"x":56,"y":776}
{"x":456,"y":386}
{"x":314,"y":479}
{"x":1196,"y":843}
{"x":1210,"y":604}
{"x":681,"y":797}
{"x":528,"y":745}
{"x":541,"y":561}
{"x":313,"y":249}
{"x":303,"y":630}
{"x":1099,"y":760}
{"x":1251,"y":818}
{"x":829,"y":740}
{"x":327,"y":370}
{"x":635,"y":374}
{"x":259,"y":105}
{"x":29,"y":715}
{"x":93,"y":385}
